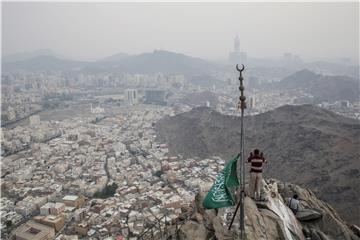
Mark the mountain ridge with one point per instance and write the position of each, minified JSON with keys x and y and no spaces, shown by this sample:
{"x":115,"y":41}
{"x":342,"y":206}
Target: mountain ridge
{"x":43,"y":63}
{"x":321,"y":87}
{"x":146,"y":63}
{"x":114,"y":58}
{"x":305,"y":144}
{"x":22,"y":56}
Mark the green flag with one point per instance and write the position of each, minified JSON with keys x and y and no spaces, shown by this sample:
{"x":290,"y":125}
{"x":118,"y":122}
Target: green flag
{"x":220,"y":195}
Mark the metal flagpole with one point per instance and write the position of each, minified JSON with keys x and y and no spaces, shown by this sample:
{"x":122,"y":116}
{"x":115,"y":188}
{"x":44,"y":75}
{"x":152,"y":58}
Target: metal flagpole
{"x":241,"y":163}
{"x":242,"y":103}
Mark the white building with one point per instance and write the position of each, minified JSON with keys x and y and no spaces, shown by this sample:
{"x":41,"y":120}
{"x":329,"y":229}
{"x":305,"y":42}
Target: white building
{"x":131,"y":96}
{"x":96,"y":110}
{"x":34,"y":120}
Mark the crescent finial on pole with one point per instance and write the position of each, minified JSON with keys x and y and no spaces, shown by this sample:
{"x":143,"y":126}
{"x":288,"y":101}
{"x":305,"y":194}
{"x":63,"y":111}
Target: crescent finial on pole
{"x":240,"y":70}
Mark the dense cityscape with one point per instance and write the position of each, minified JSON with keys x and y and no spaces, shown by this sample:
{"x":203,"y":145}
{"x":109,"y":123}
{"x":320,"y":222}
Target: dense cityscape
{"x":80,"y":154}
{"x":87,"y":162}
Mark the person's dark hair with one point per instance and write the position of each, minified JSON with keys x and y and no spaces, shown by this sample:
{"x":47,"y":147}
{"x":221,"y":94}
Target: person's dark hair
{"x":256,"y":151}
{"x":295,"y":196}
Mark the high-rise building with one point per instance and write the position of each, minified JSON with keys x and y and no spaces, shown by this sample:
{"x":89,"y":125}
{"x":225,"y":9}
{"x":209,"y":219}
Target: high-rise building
{"x":251,"y":104}
{"x":237,"y":56}
{"x":155,"y":97}
{"x":131,"y":96}
{"x":237,"y":44}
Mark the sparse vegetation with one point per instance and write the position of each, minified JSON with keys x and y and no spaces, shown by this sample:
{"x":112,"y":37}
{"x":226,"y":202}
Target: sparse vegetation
{"x":107,"y":192}
{"x":158,"y":173}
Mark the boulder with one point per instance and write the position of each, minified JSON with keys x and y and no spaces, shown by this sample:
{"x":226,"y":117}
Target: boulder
{"x":193,"y":230}
{"x":209,"y":214}
{"x":308,"y":215}
{"x":271,"y":219}
{"x":198,"y":218}
{"x":221,"y":231}
{"x":288,"y":226}
{"x":275,"y":228}
{"x":318,"y":235}
{"x":254,"y":222}
{"x":355,"y":229}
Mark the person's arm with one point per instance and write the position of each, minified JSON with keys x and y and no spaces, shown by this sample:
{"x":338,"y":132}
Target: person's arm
{"x":263,"y":158}
{"x":250,"y":157}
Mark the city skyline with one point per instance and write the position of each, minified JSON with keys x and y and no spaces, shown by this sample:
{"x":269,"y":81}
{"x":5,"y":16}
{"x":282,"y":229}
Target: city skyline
{"x":90,"y":31}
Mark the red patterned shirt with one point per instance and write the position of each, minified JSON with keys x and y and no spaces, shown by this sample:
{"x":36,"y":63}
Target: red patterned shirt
{"x":256,"y":163}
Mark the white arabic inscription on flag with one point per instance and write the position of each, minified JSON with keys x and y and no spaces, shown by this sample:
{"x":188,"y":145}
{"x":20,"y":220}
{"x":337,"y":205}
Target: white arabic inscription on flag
{"x":219,"y":191}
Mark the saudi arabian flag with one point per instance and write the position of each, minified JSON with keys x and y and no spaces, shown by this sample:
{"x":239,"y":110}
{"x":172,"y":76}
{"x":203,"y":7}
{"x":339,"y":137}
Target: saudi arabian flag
{"x":220,"y":195}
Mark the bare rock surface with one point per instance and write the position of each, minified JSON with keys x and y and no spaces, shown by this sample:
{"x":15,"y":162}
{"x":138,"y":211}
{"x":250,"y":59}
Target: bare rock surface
{"x":271,"y":219}
{"x":308,"y":214}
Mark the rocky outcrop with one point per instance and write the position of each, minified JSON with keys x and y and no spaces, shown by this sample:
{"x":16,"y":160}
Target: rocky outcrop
{"x":271,"y":219}
{"x":305,"y":145}
{"x":330,"y":224}
{"x":193,"y":230}
{"x":308,"y":215}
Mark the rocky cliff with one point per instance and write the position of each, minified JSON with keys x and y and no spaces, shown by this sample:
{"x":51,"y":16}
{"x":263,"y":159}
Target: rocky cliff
{"x":272,"y":219}
{"x":305,"y":145}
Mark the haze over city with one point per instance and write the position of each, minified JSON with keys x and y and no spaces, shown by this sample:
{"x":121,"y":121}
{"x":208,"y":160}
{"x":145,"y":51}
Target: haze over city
{"x":89,"y":31}
{"x":188,"y":121}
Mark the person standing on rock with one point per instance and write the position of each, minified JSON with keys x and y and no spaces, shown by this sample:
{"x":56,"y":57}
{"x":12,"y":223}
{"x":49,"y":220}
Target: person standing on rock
{"x":257,"y":160}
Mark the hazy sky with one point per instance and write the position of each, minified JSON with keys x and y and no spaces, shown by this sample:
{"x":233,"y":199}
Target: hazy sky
{"x":206,"y":30}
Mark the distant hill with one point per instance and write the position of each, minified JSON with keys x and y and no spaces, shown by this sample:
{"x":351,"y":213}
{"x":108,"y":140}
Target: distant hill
{"x":165,"y":62}
{"x":300,"y":79}
{"x":331,"y":68}
{"x":114,"y":58}
{"x":43,"y":63}
{"x":322,"y":87}
{"x":305,"y":144}
{"x":146,"y":63}
{"x":336,"y":88}
{"x":28,"y":55}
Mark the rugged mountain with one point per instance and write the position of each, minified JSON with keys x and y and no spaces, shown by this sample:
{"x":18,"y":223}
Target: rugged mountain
{"x":322,"y":87}
{"x":271,"y":219}
{"x":43,"y":63}
{"x":304,"y":144}
{"x":165,"y":62}
{"x":335,"y":88}
{"x":300,"y":79}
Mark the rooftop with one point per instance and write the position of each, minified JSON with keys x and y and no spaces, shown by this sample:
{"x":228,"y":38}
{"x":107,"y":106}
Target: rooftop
{"x":70,"y":198}
{"x":33,"y":231}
